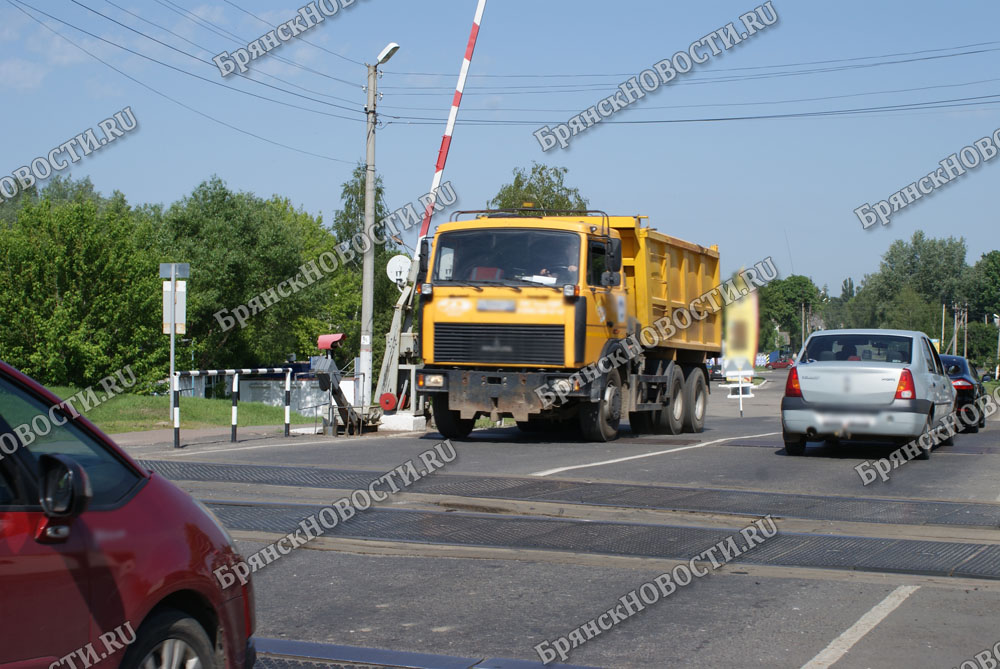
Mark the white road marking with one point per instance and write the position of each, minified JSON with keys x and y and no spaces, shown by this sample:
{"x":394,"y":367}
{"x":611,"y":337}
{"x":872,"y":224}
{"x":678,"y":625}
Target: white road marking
{"x":843,"y":643}
{"x":557,"y":470}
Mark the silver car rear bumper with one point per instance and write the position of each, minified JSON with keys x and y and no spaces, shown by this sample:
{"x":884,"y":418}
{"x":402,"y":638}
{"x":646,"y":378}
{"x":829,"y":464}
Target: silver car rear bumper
{"x":901,"y":419}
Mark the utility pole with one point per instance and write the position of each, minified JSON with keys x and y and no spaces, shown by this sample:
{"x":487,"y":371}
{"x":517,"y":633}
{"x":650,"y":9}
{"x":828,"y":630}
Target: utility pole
{"x":943,"y":312}
{"x":965,"y":321}
{"x":954,"y":338}
{"x":996,"y":321}
{"x":803,"y":325}
{"x":368,"y":260}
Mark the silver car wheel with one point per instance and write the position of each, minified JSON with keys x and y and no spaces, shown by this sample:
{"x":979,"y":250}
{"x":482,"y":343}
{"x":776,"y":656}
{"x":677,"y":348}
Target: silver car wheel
{"x":171,"y":654}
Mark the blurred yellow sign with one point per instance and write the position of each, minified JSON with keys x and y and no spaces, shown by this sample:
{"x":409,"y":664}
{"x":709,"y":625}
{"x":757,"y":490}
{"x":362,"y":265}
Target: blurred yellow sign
{"x":741,"y":336}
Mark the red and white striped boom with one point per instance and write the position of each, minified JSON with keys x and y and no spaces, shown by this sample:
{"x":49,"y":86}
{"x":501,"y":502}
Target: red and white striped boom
{"x":450,"y":128}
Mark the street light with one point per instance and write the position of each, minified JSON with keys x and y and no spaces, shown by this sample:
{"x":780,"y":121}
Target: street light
{"x":368,"y":259}
{"x":996,"y":321}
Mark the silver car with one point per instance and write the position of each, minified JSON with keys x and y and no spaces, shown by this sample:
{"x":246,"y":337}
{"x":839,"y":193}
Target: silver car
{"x":869,"y":384}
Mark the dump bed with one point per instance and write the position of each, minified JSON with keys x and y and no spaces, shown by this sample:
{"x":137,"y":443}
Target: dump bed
{"x":664,"y":273}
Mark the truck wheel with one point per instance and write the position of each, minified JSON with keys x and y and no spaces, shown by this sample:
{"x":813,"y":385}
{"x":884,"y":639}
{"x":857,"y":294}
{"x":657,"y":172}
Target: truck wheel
{"x":449,"y":423}
{"x":672,"y":415}
{"x":599,"y":420}
{"x":695,"y":401}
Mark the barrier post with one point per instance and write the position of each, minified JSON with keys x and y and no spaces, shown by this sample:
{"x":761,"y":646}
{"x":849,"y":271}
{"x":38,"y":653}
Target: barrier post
{"x":175,"y":393}
{"x":236,"y":394}
{"x":288,"y":401}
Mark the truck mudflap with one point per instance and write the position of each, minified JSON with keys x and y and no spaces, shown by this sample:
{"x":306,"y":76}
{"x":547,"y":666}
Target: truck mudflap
{"x":493,"y":392}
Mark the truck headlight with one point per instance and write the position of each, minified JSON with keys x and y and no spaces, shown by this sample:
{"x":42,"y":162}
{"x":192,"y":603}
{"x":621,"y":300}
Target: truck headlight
{"x":430,"y":380}
{"x":562,"y":386}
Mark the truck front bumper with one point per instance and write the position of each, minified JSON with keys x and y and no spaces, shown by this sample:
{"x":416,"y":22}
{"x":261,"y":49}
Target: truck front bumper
{"x":493,"y":392}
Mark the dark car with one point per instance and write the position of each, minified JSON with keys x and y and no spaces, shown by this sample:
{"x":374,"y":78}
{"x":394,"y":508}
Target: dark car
{"x":968,"y":388}
{"x":715,"y":372}
{"x":101,"y":559}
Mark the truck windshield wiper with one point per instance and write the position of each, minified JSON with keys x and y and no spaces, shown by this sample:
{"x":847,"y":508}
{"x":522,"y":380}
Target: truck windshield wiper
{"x":500,"y":282}
{"x":466,"y":284}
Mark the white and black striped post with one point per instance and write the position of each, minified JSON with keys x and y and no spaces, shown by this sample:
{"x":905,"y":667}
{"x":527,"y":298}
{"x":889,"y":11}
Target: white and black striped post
{"x":175,"y":393}
{"x":236,"y":396}
{"x":288,"y":402}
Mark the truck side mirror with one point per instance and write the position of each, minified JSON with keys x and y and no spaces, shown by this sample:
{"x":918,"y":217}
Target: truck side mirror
{"x":610,"y":278}
{"x":615,"y":255}
{"x":425,"y":257}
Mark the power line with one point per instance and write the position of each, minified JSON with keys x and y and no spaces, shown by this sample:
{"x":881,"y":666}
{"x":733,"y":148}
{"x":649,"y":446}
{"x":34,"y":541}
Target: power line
{"x":302,"y":39}
{"x":931,"y":104}
{"x":192,"y":74}
{"x":721,"y":69}
{"x":209,"y":63}
{"x":207,"y":50}
{"x":242,"y":41}
{"x":578,"y":88}
{"x":174,"y":100}
{"x":720,"y":104}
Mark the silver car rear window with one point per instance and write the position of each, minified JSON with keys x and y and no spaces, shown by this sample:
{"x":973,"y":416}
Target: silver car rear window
{"x":859,"y":348}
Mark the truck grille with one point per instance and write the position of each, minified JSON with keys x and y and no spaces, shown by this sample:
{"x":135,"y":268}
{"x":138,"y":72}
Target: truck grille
{"x":518,"y":344}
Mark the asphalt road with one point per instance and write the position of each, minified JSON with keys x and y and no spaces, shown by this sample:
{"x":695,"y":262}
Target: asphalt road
{"x":411,"y":577}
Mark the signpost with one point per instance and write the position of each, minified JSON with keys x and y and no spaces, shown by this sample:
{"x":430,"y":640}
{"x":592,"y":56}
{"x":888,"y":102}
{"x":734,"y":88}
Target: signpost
{"x":174,"y":308}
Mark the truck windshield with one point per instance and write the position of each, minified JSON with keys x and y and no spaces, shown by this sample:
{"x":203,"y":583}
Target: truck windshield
{"x":513,"y":255}
{"x":859,"y":348}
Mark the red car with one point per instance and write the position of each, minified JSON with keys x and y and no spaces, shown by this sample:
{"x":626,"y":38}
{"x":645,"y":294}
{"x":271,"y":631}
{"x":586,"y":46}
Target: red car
{"x":102,"y":563}
{"x":781,"y":363}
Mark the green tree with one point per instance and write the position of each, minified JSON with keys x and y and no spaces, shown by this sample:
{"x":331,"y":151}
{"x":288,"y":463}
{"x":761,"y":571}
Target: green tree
{"x":984,"y":279}
{"x":339,"y":310}
{"x":781,"y":303}
{"x":239,"y":246}
{"x":934,"y":268}
{"x":79,"y":297}
{"x":982,"y":349}
{"x":543,"y":186}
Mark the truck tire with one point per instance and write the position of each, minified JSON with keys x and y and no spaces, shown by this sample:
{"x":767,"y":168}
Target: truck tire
{"x":671,"y":420}
{"x":599,"y":420}
{"x":450,"y":423}
{"x":695,"y":401}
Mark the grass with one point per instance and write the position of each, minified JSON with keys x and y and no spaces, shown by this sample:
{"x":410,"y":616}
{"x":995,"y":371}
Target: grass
{"x":991,"y":386}
{"x":135,"y":413}
{"x":484,"y":421}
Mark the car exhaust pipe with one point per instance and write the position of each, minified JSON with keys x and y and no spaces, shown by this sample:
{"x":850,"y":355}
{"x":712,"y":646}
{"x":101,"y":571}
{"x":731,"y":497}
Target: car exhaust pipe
{"x":811,"y":433}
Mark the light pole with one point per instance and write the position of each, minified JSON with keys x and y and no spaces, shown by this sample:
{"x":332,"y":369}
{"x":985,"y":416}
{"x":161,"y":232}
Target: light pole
{"x":996,"y":372}
{"x":368,"y":260}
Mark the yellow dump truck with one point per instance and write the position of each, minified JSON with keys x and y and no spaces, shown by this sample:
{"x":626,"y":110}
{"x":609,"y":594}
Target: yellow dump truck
{"x":560,"y":320}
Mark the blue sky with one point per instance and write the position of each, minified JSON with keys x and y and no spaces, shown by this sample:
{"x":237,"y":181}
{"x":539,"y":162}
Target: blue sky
{"x":744,"y":185}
